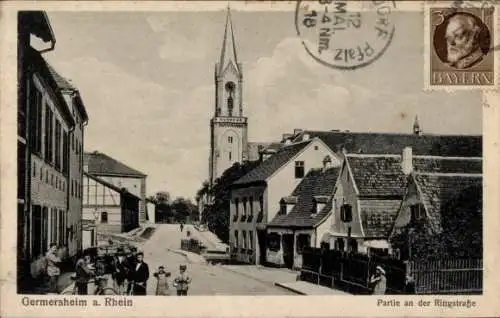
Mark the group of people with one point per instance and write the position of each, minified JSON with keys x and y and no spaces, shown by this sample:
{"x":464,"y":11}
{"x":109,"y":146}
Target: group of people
{"x":130,"y":275}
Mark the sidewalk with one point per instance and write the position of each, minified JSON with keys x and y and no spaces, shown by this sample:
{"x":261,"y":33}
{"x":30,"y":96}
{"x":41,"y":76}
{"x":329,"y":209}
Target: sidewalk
{"x":263,"y":274}
{"x":281,"y":277}
{"x":192,"y":258}
{"x":305,"y":288}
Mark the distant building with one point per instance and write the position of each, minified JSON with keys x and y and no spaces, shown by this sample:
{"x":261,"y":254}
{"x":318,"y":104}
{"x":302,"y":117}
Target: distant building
{"x":255,"y":198}
{"x":118,"y":174}
{"x":50,"y":114}
{"x":113,"y":209}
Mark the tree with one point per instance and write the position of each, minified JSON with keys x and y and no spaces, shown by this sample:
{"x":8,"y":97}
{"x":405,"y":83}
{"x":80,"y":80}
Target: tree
{"x":184,"y":210}
{"x":216,"y":214}
{"x":203,"y":191}
{"x":168,"y":211}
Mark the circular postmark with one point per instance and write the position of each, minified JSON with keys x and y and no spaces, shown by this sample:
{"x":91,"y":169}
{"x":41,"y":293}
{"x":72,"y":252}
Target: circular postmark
{"x":461,"y":39}
{"x":345,"y":35}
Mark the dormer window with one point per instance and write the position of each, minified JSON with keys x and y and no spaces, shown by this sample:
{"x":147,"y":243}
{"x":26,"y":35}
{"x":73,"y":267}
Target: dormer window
{"x":282,"y":208}
{"x":319,"y":202}
{"x":346,"y":213}
{"x":287,"y":204}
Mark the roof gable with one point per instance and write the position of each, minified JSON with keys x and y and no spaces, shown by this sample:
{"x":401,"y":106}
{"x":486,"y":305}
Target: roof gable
{"x":437,"y":190}
{"x":268,"y":167}
{"x":317,"y":183}
{"x":101,"y":164}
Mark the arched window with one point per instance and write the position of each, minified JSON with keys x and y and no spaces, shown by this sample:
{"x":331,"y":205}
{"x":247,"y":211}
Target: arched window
{"x":104,"y":217}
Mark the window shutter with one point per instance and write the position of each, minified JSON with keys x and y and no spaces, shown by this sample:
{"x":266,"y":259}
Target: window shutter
{"x":348,"y":213}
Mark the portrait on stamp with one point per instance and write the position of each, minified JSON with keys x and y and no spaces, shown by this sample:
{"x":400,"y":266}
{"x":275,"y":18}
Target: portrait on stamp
{"x":461,"y":46}
{"x":197,"y":152}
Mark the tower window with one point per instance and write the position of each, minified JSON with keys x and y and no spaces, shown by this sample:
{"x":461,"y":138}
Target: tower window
{"x":230,"y":139}
{"x":230,"y":156}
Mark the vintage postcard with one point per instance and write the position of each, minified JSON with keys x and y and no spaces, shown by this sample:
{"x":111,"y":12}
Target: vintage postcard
{"x":245,"y":154}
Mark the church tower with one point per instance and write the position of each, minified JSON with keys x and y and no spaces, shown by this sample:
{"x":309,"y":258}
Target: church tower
{"x":228,"y":127}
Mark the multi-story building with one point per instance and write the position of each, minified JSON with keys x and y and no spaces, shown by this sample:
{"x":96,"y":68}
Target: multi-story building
{"x":47,"y":109}
{"x":118,"y":174}
{"x":75,"y":152}
{"x":255,"y":198}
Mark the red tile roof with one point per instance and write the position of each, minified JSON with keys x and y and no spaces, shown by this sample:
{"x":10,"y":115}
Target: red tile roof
{"x":101,"y":164}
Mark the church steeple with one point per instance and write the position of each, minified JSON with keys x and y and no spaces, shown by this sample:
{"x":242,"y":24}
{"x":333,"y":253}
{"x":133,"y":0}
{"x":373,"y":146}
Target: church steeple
{"x":228,"y":126}
{"x":228,"y":52}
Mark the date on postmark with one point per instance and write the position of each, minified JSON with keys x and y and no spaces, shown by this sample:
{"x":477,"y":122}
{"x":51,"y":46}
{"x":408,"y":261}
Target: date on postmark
{"x":460,"y":50}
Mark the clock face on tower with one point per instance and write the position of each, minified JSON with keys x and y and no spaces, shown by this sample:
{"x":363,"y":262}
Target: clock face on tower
{"x":230,"y":86}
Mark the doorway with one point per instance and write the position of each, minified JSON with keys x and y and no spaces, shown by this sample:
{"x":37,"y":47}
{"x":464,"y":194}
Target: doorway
{"x":288,"y":250}
{"x":262,"y":238}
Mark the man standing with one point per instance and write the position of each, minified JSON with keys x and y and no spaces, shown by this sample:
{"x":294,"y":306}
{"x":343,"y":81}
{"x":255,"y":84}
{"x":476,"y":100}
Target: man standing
{"x":140,"y":276}
{"x":120,"y":272}
{"x":131,"y":262}
{"x":83,"y":274}
{"x":53,"y":271}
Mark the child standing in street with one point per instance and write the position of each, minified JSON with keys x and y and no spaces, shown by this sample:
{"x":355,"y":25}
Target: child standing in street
{"x":162,"y":282}
{"x":182,"y":281}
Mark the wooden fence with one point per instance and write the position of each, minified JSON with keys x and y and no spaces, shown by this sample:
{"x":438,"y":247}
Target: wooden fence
{"x":352,"y":272}
{"x":447,"y":276}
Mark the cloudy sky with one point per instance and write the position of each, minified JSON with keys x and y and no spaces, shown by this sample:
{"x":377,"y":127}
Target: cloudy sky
{"x":147,"y":82}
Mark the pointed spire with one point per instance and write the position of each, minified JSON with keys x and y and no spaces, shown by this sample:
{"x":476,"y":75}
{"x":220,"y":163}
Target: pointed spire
{"x":228,"y":52}
{"x":416,"y":127}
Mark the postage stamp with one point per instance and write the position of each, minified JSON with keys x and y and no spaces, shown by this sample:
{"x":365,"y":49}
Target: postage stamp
{"x":461,"y":50}
{"x":189,"y":159}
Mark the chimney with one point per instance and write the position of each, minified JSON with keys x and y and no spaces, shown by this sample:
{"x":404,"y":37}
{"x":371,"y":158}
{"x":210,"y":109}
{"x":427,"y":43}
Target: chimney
{"x":286,"y":136}
{"x":297,"y":131}
{"x":407,"y":161}
{"x":305,"y":137}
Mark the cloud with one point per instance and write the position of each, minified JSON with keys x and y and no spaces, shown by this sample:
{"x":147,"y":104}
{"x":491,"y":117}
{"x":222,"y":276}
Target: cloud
{"x":151,"y":128}
{"x":288,"y":90}
{"x":177,"y":46}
